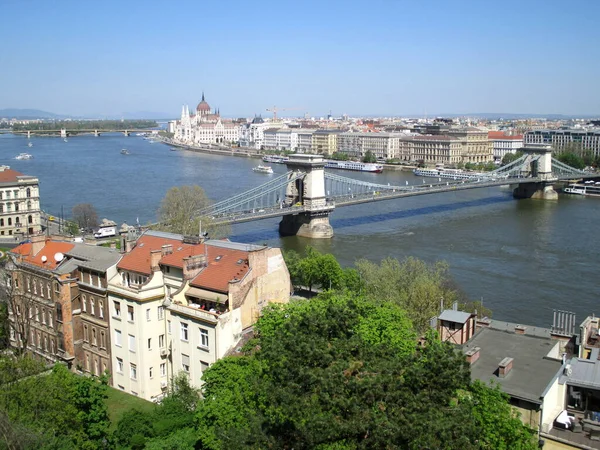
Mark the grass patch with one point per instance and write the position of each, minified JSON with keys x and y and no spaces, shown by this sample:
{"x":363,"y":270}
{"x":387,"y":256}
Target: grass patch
{"x":119,"y":402}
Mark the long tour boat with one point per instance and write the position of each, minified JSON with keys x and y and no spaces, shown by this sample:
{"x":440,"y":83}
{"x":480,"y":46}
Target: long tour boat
{"x":353,"y":165}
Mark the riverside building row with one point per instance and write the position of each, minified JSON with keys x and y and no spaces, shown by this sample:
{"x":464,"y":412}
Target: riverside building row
{"x":19,"y":203}
{"x":166,"y":304}
{"x":561,"y":138}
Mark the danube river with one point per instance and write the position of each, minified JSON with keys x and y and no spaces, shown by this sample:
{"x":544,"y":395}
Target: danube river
{"x":523,"y":258}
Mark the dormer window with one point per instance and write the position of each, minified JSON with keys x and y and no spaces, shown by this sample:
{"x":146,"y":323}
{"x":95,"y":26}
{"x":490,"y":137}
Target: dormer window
{"x":218,"y":258}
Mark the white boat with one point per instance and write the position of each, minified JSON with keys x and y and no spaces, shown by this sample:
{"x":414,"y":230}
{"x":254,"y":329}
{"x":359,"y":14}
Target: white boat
{"x":589,"y":190}
{"x":275,"y":159}
{"x":124,"y":152}
{"x":454,"y":174}
{"x":24,"y":156}
{"x":353,"y":165}
{"x":263,"y":169}
{"x":66,"y":140}
{"x":30,"y":144}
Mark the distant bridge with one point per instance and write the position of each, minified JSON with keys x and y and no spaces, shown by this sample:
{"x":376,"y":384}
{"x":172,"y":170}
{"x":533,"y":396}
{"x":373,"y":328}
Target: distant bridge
{"x":306,"y":195}
{"x":96,"y":132}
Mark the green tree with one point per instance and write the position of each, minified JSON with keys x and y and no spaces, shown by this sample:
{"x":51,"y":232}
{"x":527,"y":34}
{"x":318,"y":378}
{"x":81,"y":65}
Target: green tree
{"x":85,"y":215}
{"x":369,"y":157}
{"x":571,"y":159}
{"x":339,"y":156}
{"x":180,"y":213}
{"x":415,"y":286}
{"x":510,"y":157}
{"x":134,"y":428}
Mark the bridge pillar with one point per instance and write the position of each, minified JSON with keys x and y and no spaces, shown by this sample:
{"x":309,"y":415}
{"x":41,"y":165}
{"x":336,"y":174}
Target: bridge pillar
{"x":539,"y":168}
{"x":63,"y":133}
{"x":96,"y":133}
{"x":313,"y":222}
{"x":29,"y":135}
{"x":126,"y":133}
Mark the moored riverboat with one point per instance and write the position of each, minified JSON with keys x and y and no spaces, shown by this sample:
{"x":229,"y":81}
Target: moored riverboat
{"x":589,"y":189}
{"x":263,"y":169}
{"x":353,"y":165}
{"x":453,"y":174}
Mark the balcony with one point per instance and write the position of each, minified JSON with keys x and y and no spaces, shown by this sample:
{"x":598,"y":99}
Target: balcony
{"x":196,"y":313}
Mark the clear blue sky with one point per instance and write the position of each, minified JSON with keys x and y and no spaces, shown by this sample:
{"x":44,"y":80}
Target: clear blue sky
{"x":355,"y":57}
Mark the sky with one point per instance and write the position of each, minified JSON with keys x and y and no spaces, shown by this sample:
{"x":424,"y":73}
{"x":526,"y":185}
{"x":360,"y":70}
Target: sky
{"x":372,"y":57}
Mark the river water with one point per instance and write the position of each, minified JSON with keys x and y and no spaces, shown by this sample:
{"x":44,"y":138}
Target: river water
{"x":523,"y":258}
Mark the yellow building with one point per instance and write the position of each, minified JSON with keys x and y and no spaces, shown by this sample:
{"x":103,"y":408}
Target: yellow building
{"x":475,"y":144}
{"x":325,"y":142}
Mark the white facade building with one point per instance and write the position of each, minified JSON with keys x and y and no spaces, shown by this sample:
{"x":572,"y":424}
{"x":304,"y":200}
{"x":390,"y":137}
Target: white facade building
{"x":178,"y":305}
{"x":204,"y":127}
{"x":503,"y":143}
{"x":19,"y":203}
{"x":252,"y":134}
{"x":558,"y":139}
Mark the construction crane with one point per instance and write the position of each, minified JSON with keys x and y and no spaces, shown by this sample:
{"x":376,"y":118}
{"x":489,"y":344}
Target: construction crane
{"x":275,"y":109}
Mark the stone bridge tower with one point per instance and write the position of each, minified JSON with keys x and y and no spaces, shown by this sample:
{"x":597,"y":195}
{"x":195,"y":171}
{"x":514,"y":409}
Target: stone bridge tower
{"x":539,"y":167}
{"x":309,"y":191}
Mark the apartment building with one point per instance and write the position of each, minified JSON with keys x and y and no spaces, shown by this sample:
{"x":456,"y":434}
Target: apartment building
{"x":178,"y":304}
{"x":324,"y":142}
{"x":60,"y":302}
{"x":356,"y":145}
{"x":558,"y":139}
{"x":19,"y":203}
{"x":305,"y":139}
{"x":503,"y":143}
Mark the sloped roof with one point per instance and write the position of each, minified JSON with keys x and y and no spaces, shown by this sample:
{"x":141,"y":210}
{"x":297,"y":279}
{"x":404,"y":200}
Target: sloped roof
{"x":7,"y":175}
{"x":224,"y":265}
{"x":138,"y":259}
{"x":50,"y":249}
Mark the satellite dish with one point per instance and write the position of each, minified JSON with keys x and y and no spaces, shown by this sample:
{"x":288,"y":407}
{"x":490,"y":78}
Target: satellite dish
{"x":44,"y":258}
{"x":58,"y":256}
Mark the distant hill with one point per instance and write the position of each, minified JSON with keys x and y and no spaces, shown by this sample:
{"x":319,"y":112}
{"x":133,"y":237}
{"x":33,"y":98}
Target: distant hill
{"x":14,"y":113}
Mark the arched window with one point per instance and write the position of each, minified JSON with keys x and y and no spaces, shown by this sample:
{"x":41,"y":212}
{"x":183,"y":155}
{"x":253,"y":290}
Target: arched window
{"x":28,"y":205}
{"x":16,"y":206}
{"x":9,"y":222}
{"x":30,"y":218}
{"x":17,"y":221}
{"x":28,"y":192}
{"x":1,"y":222}
{"x":8,"y":207}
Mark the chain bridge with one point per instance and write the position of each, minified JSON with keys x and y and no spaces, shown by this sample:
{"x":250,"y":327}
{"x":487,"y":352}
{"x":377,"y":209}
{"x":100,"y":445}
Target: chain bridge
{"x":307,"y":194}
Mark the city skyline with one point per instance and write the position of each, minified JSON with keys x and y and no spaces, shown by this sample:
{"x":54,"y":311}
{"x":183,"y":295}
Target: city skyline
{"x":393,"y":58}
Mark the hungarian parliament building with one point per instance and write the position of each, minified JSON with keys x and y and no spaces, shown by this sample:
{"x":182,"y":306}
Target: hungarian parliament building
{"x":204,"y":127}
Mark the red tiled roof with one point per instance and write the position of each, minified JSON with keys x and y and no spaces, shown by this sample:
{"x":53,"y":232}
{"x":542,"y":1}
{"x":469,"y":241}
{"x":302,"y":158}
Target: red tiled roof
{"x":219,"y":272}
{"x":502,"y":135}
{"x":50,"y":249}
{"x":9,"y":175}
{"x":138,"y":260}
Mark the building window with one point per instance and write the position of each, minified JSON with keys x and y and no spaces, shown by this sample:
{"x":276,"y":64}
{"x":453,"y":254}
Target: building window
{"x":130,"y":313}
{"x":102,"y":340}
{"x":28,"y":192}
{"x":85,"y":333}
{"x":119,"y":365}
{"x":169,"y":326}
{"x":101,"y":309}
{"x":48,"y":290}
{"x":149,"y":343}
{"x":185,"y":363}
{"x":148,"y":314}
{"x":43,"y":316}
{"x":161,"y":312}
{"x":184,"y":332}
{"x":133,"y":371}
{"x":203,"y":366}
{"x":117,"y":309}
{"x":59,"y":316}
{"x":84,"y":303}
{"x":132,"y":343}
{"x":94,"y":342}
{"x":163,"y":369}
{"x":50,"y":324}
{"x":161,"y":341}
{"x":92,"y":306}
{"x":118,"y":341}
{"x":203,"y":338}
{"x":150,"y":374}
{"x":37,"y":312}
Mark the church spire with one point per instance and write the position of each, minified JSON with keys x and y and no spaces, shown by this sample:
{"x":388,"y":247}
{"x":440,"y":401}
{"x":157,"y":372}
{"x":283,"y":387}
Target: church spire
{"x":202,"y":95}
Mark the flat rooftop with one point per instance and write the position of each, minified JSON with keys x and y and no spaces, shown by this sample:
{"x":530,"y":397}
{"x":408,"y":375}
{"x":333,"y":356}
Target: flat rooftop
{"x":532,"y":369}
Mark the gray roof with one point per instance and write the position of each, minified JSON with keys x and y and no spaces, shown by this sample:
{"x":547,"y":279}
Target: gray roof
{"x":454,"y":316}
{"x":164,"y":234}
{"x":67,"y":266}
{"x":94,"y":257}
{"x":529,"y":330}
{"x":584,"y":373}
{"x":235,"y":245}
{"x":532,"y":369}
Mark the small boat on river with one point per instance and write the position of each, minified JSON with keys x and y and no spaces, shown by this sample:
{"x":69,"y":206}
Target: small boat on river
{"x":23,"y":156}
{"x":263,"y":169}
{"x":124,"y":152}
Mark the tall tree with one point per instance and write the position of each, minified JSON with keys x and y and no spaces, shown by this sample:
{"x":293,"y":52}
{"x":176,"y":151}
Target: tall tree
{"x":85,"y":215}
{"x":180,"y":209}
{"x":369,"y":157}
{"x":412,"y":284}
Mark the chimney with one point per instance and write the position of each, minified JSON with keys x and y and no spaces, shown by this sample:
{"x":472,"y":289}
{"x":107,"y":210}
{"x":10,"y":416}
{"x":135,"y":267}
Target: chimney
{"x":37,"y":243}
{"x":193,"y":265}
{"x":155,"y":256}
{"x":167,"y":249}
{"x":473,"y":355}
{"x":520,"y":329}
{"x":505,"y":367}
